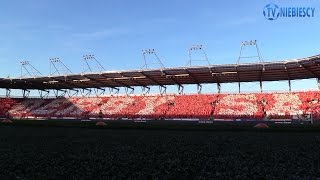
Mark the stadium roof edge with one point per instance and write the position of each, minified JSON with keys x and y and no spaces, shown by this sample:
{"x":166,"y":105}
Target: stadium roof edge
{"x":302,"y":68}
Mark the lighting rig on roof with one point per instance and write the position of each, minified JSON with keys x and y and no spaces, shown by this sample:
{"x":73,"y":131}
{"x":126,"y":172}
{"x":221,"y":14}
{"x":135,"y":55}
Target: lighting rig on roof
{"x":254,"y":44}
{"x":91,"y":64}
{"x":147,"y":62}
{"x":249,"y":43}
{"x":147,"y":55}
{"x":95,"y":64}
{"x":197,"y":48}
{"x":57,"y":67}
{"x":27,"y":70}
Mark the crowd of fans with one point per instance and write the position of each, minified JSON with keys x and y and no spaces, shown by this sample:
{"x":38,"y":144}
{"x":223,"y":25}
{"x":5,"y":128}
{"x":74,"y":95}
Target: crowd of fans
{"x":199,"y":106}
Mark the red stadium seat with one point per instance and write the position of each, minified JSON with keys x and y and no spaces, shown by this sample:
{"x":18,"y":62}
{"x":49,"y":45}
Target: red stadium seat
{"x":199,"y":106}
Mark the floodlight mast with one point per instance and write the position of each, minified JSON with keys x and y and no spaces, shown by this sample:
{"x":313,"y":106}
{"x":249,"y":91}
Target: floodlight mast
{"x":91,"y":57}
{"x":58,"y":67}
{"x":249,"y":43}
{"x":148,"y":52}
{"x":255,"y":45}
{"x":29,"y":70}
{"x":194,"y":48}
{"x":97,"y":67}
{"x":198,"y":47}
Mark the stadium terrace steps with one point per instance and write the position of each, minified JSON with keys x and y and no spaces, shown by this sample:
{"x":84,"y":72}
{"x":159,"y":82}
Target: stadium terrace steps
{"x":201,"y":106}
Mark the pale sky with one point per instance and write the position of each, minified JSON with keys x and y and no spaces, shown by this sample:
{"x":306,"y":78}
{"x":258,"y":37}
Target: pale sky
{"x":116,"y":31}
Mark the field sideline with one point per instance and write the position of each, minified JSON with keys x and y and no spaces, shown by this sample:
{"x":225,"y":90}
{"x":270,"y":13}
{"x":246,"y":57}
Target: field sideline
{"x":169,"y":125}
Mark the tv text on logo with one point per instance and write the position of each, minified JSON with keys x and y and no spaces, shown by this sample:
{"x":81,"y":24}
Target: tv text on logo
{"x":273,"y":12}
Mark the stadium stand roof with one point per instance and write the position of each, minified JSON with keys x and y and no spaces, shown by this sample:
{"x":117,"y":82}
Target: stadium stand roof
{"x":293,"y":69}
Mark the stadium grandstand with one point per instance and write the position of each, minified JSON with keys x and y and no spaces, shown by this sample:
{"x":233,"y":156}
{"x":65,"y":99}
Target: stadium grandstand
{"x":74,"y":98}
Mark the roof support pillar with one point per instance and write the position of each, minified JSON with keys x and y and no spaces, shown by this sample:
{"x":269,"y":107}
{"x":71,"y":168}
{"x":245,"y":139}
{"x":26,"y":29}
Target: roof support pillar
{"x":74,"y":94}
{"x":62,"y":94}
{"x":8,"y":91}
{"x":261,"y":77}
{"x":238,"y":76}
{"x":289,"y":82}
{"x":199,"y":88}
{"x":318,"y":83}
{"x":25,"y":93}
{"x":86,"y":92}
{"x":145,"y":90}
{"x":180,"y":89}
{"x":219,"y":87}
{"x":43,"y":93}
{"x":96,"y":91}
{"x":114,"y":91}
{"x":127,"y":90}
{"x":163,"y":90}
{"x":288,"y":75}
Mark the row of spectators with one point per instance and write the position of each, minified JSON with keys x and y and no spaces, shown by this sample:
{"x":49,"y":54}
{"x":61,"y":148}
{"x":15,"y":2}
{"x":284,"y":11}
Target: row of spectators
{"x":218,"y":106}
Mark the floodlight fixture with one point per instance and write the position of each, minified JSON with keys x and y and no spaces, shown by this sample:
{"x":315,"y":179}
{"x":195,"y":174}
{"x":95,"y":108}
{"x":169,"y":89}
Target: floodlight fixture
{"x":88,"y":56}
{"x":24,"y":62}
{"x":249,"y":43}
{"x":196,"y":47}
{"x":148,"y":51}
{"x":54,"y":59}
